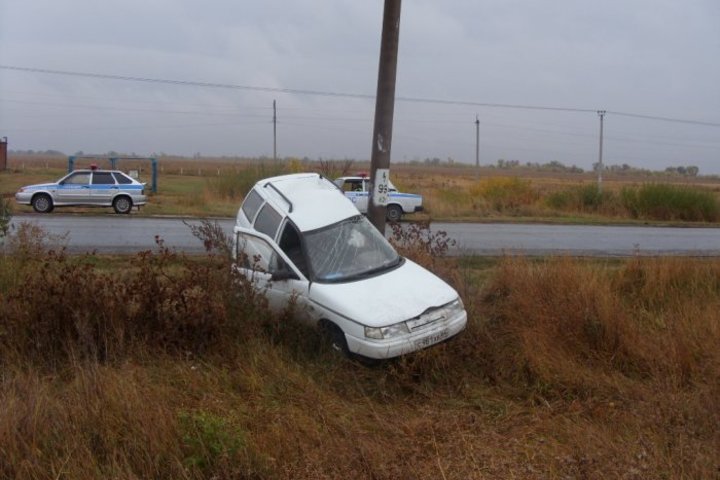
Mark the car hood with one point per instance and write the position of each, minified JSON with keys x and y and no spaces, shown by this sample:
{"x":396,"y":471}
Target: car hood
{"x":40,"y":186}
{"x":382,"y":300}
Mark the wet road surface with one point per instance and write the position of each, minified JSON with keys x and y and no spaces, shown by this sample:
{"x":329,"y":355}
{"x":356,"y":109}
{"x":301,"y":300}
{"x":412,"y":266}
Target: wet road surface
{"x":113,"y":233}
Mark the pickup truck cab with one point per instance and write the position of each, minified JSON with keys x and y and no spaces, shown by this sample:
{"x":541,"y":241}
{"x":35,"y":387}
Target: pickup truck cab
{"x":298,"y":238}
{"x":357,"y":189}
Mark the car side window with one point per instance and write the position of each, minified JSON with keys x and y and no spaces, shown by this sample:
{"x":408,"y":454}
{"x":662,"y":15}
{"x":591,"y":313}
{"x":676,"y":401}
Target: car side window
{"x":353,"y":186}
{"x":103,"y":178}
{"x":122,"y":179}
{"x":254,"y":253}
{"x":268,"y":221}
{"x":290,"y":244}
{"x":251,"y":205}
{"x":80,"y":178}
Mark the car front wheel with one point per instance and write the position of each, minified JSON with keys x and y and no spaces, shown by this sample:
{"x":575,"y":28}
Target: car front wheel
{"x":122,"y":205}
{"x":42,"y":203}
{"x":334,"y":337}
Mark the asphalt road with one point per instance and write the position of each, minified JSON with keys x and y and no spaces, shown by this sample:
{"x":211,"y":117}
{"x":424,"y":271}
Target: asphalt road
{"x":113,"y":233}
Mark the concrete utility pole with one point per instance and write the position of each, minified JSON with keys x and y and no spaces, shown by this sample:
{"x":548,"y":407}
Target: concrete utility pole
{"x":477,"y":144}
{"x":601,"y":113}
{"x":384,"y":109}
{"x":274,"y":132}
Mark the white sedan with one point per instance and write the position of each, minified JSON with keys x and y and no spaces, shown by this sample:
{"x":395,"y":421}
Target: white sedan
{"x":301,"y":240}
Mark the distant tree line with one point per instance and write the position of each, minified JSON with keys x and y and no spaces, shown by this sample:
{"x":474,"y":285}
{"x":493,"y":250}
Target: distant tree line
{"x":36,"y":152}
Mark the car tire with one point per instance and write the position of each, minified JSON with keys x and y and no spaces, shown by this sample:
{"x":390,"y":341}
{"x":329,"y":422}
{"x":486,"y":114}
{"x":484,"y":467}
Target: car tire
{"x":122,"y":204}
{"x":394,"y":213}
{"x":334,"y":338}
{"x":42,"y":203}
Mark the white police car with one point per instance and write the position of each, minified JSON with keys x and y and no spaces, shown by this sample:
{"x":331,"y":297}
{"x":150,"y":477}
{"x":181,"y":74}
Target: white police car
{"x":298,"y":237}
{"x":87,"y":188}
{"x":358,"y":191}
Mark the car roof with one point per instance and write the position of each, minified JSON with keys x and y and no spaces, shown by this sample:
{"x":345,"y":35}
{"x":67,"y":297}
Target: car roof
{"x":99,"y":170}
{"x":310,"y":200}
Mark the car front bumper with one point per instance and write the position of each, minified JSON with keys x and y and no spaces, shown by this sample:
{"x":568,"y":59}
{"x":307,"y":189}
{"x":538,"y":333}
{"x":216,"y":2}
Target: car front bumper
{"x":393,"y":347}
{"x":23,"y":198}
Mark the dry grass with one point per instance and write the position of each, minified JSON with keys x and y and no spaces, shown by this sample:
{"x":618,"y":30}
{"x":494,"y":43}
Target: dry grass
{"x":160,"y":367}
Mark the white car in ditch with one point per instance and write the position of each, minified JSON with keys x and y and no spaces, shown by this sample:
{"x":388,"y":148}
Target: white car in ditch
{"x":297,"y":236}
{"x":357,"y":189}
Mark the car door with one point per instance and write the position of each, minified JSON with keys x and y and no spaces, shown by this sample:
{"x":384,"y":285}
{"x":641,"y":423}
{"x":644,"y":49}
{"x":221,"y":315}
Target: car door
{"x":261,"y":261}
{"x":356,"y":190}
{"x":103,"y":188}
{"x":74,"y":189}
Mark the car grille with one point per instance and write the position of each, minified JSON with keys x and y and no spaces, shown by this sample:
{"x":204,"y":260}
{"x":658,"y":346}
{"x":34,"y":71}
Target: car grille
{"x":427,"y":318}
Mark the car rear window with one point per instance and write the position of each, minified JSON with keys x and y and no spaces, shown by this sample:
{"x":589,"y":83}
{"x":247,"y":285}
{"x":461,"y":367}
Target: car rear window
{"x":268,"y":221}
{"x":252,"y":204}
{"x":122,"y":179}
{"x":103,"y":178}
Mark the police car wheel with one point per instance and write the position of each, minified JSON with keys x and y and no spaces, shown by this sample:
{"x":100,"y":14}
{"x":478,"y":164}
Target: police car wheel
{"x":394,"y":213}
{"x":42,"y":203}
{"x":122,"y":205}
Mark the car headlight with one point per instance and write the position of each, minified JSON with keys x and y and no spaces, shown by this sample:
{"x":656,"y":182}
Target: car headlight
{"x":380,"y":333}
{"x":456,"y":306}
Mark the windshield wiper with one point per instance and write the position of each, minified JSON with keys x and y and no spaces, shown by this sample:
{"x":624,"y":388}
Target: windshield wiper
{"x":381,"y":268}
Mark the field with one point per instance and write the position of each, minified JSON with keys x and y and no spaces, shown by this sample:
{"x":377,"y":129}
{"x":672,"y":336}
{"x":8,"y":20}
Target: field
{"x":215,"y":187}
{"x":162,"y":366}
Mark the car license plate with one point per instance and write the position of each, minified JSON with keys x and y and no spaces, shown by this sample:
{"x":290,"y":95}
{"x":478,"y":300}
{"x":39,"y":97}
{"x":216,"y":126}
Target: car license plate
{"x":432,"y":339}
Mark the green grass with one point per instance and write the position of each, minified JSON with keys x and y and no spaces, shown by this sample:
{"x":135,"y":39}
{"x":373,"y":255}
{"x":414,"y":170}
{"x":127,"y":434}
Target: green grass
{"x":671,"y":202}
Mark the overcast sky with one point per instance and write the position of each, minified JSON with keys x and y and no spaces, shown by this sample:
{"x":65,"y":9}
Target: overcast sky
{"x":649,"y":57}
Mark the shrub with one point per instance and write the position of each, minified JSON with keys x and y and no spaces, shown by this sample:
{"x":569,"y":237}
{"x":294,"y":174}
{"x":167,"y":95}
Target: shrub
{"x":5,"y":217}
{"x":659,"y":201}
{"x":64,"y":308}
{"x":585,"y":198}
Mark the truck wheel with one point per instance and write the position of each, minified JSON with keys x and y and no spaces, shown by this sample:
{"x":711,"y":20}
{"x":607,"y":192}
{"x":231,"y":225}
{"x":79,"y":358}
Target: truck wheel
{"x":394,"y":213}
{"x":42,"y":203}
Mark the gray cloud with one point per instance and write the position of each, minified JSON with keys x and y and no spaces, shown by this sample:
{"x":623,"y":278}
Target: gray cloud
{"x":640,"y":56}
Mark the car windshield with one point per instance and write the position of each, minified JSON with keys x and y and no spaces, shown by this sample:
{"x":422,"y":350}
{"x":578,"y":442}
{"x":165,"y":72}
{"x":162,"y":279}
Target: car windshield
{"x":348,"y":250}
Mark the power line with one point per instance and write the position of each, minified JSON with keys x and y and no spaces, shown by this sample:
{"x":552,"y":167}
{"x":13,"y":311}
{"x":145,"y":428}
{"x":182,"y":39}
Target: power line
{"x":664,"y":119}
{"x":323,"y":93}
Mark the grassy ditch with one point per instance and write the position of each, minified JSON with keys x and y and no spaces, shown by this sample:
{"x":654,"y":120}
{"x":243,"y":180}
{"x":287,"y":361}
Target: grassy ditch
{"x":162,"y":366}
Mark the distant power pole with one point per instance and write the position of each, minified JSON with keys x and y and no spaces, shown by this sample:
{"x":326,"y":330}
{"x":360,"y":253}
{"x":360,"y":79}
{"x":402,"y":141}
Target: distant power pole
{"x":477,"y":143}
{"x":274,"y":132}
{"x":601,"y":113}
{"x":3,"y":153}
{"x":384,"y":109}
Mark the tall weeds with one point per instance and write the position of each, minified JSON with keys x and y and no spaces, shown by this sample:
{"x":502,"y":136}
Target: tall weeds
{"x":566,"y":328}
{"x":671,"y":202}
